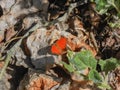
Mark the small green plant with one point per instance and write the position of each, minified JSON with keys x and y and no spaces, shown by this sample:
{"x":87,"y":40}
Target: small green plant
{"x":81,"y":60}
{"x":115,"y":24}
{"x":102,"y":6}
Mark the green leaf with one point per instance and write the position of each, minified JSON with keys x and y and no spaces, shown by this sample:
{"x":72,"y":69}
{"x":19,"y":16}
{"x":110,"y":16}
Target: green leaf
{"x":68,"y":67}
{"x":102,"y":63}
{"x":70,"y":55}
{"x":80,"y":61}
{"x":95,"y":76}
{"x":87,"y":59}
{"x":101,"y":6}
{"x":109,"y":64}
{"x":104,"y":86}
{"x":79,"y":65}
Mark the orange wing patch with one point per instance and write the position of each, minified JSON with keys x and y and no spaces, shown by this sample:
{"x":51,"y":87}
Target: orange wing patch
{"x":59,"y":46}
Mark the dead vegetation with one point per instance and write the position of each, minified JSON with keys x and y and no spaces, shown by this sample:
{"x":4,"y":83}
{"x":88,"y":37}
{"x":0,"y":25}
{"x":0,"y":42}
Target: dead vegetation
{"x":35,"y":36}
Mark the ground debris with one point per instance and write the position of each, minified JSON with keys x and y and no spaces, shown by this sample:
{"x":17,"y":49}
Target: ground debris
{"x":36,"y":35}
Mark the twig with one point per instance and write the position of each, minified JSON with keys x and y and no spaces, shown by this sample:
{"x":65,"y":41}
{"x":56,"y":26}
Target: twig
{"x":94,"y":40}
{"x":5,"y":65}
{"x":32,"y":29}
{"x":12,"y":50}
{"x":116,"y":34}
{"x":12,"y":40}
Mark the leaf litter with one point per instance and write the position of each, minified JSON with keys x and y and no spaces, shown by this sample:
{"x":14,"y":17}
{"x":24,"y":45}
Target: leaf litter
{"x":35,"y":36}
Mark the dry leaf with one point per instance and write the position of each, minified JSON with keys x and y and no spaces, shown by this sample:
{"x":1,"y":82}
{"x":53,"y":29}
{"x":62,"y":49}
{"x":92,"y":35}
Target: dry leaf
{"x":78,"y":78}
{"x":1,"y":64}
{"x":42,"y":83}
{"x":81,"y":86}
{"x":78,"y":24}
{"x":114,"y":79}
{"x":1,"y":38}
{"x":10,"y":33}
{"x":76,"y":44}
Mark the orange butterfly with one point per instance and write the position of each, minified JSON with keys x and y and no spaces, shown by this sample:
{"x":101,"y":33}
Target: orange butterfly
{"x":59,"y":46}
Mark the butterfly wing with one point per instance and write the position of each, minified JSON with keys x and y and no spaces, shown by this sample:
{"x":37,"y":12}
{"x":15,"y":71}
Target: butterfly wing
{"x":62,"y":43}
{"x":59,"y":46}
{"x":55,"y":50}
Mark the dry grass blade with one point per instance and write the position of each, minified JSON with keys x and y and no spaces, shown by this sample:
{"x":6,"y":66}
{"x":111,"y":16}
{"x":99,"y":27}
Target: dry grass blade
{"x":11,"y":51}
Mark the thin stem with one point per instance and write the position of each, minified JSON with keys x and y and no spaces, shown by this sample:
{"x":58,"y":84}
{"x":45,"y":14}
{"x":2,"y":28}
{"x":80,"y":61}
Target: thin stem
{"x":8,"y":58}
{"x":113,"y":4}
{"x":12,"y":40}
{"x":12,"y":50}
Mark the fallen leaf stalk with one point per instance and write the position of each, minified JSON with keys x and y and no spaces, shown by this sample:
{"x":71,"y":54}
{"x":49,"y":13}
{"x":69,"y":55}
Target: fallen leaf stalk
{"x":12,"y":50}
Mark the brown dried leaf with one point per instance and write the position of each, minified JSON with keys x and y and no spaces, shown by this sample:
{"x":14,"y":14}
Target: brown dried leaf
{"x":76,"y":25}
{"x":42,"y":83}
{"x":76,"y":44}
{"x":1,"y":64}
{"x":84,"y":85}
{"x":78,"y":78}
{"x":9,"y":33}
{"x":114,"y":79}
{"x":1,"y":38}
{"x":88,"y":47}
